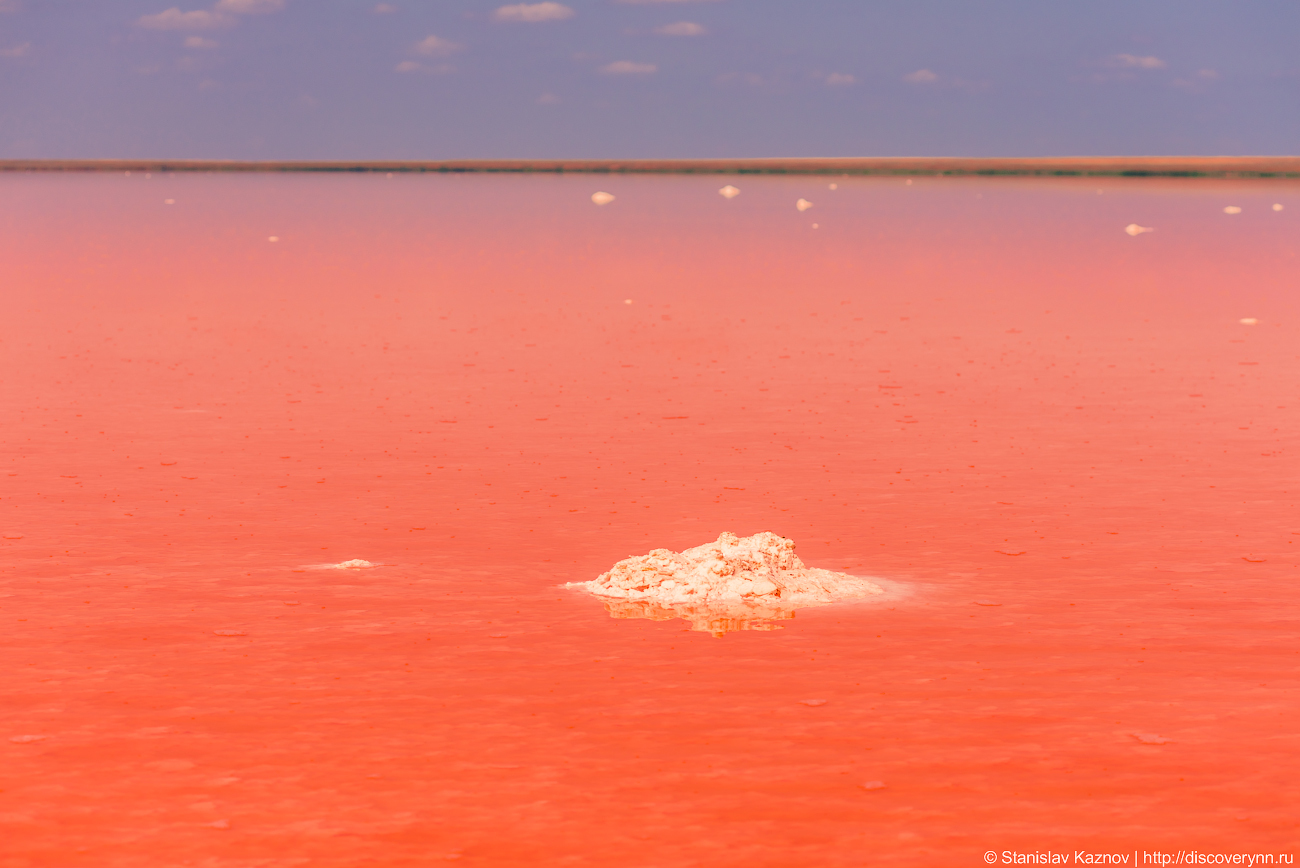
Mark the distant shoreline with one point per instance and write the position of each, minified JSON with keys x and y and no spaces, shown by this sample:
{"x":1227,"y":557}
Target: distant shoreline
{"x":1059,"y":167}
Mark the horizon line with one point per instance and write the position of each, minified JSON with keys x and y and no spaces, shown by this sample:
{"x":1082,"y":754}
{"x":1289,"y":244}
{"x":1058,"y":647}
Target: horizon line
{"x":1152,"y":166}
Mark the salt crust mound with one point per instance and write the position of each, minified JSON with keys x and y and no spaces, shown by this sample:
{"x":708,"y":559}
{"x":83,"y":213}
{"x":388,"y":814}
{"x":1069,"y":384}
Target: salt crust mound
{"x":736,"y":583}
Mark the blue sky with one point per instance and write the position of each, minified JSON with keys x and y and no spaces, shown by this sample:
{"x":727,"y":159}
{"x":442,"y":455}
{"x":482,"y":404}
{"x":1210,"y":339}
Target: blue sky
{"x":417,"y":79}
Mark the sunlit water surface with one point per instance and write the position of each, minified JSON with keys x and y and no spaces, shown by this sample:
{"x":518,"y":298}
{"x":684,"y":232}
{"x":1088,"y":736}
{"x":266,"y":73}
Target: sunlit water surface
{"x":1056,"y":444}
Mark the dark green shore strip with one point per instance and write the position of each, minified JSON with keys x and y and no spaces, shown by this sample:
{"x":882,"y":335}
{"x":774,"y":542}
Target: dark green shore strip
{"x":1051,"y":167}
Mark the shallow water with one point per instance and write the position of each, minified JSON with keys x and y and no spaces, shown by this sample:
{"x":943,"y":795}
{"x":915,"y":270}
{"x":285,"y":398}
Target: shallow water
{"x":1053,"y":442}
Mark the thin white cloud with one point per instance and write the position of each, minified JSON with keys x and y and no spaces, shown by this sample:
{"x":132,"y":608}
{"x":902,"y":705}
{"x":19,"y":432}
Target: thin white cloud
{"x":647,"y":2}
{"x":17,"y":51}
{"x":1131,"y":61}
{"x":175,"y":19}
{"x":840,"y":79}
{"x":416,"y":66}
{"x":921,"y":76}
{"x":682,"y":28}
{"x":436,"y":46}
{"x":1197,"y":83}
{"x":249,"y":7}
{"x":220,"y":15}
{"x":533,"y":12}
{"x":199,"y":42}
{"x":629,"y":67}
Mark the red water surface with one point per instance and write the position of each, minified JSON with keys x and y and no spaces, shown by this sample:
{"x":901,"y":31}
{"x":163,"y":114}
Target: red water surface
{"x":975,"y":390}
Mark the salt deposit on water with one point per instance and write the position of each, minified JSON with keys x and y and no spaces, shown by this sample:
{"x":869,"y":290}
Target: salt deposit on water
{"x":736,"y":583}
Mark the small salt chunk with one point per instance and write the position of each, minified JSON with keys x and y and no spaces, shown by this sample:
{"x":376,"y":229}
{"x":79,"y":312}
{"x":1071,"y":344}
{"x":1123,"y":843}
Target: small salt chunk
{"x":1248,"y":320}
{"x":803,"y":204}
{"x":1134,"y":229}
{"x":600,"y":197}
{"x":354,"y":564}
{"x":1232,"y":209}
{"x":273,"y":238}
{"x":1277,"y":206}
{"x":873,"y":785}
{"x":812,"y":703}
{"x":729,"y":192}
{"x":1150,"y":738}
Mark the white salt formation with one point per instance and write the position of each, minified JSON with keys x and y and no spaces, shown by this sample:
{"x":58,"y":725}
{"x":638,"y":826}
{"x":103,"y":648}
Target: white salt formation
{"x":729,"y":192}
{"x":736,"y":583}
{"x":354,"y":564}
{"x":803,"y":204}
{"x":1150,"y":738}
{"x":600,"y":197}
{"x":1134,"y":229}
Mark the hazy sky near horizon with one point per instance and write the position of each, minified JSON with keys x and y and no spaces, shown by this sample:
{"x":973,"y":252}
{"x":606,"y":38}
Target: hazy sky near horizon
{"x":417,"y":79}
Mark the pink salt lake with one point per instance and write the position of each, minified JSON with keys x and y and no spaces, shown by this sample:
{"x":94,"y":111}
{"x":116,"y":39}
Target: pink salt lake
{"x":978,"y":391}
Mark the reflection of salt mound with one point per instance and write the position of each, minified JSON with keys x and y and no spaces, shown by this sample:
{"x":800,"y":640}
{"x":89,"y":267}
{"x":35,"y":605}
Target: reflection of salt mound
{"x":736,"y":583}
